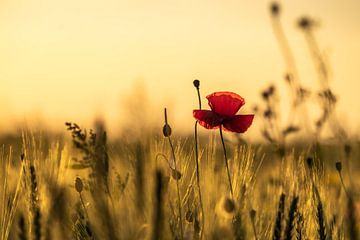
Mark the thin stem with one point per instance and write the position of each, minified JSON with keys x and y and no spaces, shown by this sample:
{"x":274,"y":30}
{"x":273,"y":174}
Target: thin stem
{"x":165,"y":116}
{"x":198,"y":93}
{"x":226,"y":161}
{"x":178,"y":190}
{"x":254,"y":228}
{"x":84,"y":207}
{"x":197,"y":167}
{"x":86,"y":212}
{"x":198,"y":179}
{"x":343,"y":184}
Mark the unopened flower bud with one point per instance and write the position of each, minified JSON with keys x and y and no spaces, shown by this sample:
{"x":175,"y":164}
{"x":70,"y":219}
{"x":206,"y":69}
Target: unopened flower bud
{"x":196,"y":83}
{"x":175,"y":174}
{"x":310,"y":162}
{"x":252,"y":214}
{"x":338,"y":166}
{"x":229,"y":205}
{"x":167,"y":130}
{"x":79,"y":186}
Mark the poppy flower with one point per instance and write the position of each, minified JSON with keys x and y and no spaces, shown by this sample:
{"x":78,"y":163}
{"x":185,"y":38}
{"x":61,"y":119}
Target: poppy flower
{"x":224,"y":106}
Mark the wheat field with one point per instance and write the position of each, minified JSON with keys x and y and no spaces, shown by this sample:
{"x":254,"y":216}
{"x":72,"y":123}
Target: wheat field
{"x":159,"y":184}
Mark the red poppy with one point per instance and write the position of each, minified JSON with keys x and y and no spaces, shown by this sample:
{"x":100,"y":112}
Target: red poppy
{"x":224,"y":106}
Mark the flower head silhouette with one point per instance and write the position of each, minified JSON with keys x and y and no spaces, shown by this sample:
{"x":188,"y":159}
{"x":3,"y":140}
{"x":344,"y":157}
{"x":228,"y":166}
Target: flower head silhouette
{"x":224,"y":106}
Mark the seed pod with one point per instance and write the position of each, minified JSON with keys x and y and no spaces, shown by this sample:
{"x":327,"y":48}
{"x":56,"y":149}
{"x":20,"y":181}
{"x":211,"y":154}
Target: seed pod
{"x":196,"y":83}
{"x":338,"y":166}
{"x":79,"y":186}
{"x":175,"y":174}
{"x":229,"y":205}
{"x":252,"y":214}
{"x":310,"y":162}
{"x":167,"y":130}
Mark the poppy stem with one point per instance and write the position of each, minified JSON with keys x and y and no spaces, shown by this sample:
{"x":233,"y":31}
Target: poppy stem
{"x":197,"y":84}
{"x":177,"y":188}
{"x":343,"y":184}
{"x":226,"y":161}
{"x":198,"y":93}
{"x":198,"y":179}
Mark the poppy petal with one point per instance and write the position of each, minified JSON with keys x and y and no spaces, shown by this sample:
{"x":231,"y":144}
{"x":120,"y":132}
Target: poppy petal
{"x":238,"y":123}
{"x":207,"y":119}
{"x":225,"y":104}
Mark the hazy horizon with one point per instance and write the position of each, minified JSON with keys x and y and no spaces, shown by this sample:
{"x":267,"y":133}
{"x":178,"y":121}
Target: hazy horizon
{"x":74,"y":61}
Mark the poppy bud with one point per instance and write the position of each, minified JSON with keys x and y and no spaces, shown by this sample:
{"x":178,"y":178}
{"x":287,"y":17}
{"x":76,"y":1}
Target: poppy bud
{"x":338,"y":166}
{"x":310,"y":162}
{"x":196,"y":83}
{"x":252,"y":214}
{"x":229,"y":205}
{"x":79,"y":186}
{"x":167,"y":130}
{"x":175,"y":174}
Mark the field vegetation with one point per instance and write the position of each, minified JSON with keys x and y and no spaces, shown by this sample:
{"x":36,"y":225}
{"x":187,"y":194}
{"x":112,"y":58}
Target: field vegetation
{"x":158,"y":184}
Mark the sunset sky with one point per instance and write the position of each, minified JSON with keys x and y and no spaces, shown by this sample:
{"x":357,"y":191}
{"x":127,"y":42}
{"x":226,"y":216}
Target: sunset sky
{"x":75,"y":60}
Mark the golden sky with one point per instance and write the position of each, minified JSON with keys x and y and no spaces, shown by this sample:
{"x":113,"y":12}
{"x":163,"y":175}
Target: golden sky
{"x":74,"y":60}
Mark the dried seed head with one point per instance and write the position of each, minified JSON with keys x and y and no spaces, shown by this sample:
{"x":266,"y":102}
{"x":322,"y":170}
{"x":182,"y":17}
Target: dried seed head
{"x":229,"y":205}
{"x":79,"y":186}
{"x":274,"y":8}
{"x":338,"y":166}
{"x":310,"y":162}
{"x":196,"y":83}
{"x":347,"y":149}
{"x":189,"y":216}
{"x":252,"y":214}
{"x":305,"y":23}
{"x":265,"y":95}
{"x":268,"y":113}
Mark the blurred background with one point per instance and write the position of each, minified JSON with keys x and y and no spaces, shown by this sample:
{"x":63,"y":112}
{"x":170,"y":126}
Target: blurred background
{"x":125,"y":61}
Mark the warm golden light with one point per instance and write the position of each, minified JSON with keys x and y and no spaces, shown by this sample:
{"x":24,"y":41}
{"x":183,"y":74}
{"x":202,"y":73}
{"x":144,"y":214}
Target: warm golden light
{"x":75,"y":60}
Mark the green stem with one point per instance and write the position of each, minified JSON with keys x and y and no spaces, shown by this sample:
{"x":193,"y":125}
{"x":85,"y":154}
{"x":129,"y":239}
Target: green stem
{"x":226,"y":161}
{"x":178,"y":190}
